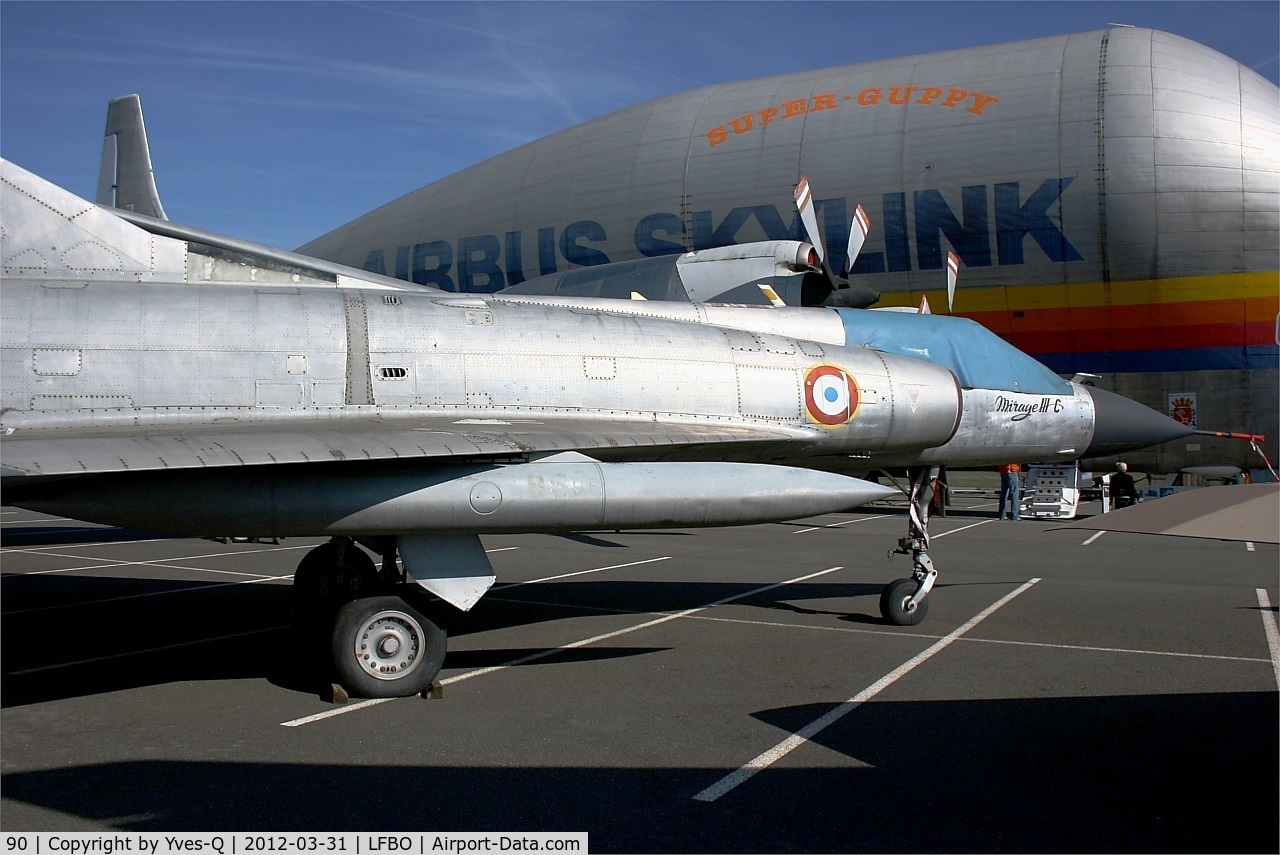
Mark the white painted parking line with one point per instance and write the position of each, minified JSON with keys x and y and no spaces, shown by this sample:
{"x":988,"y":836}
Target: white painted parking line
{"x":1248,"y":544}
{"x":786,"y":746}
{"x":886,"y":516}
{"x":1269,"y":627}
{"x":846,"y":522}
{"x":164,"y":564}
{"x":896,"y":632}
{"x":933,"y":537}
{"x":543,"y":654}
{"x":111,"y":564}
{"x":103,"y":563}
{"x":192,"y":589}
{"x":579,"y":573}
{"x":128,"y":653}
{"x":343,"y":710}
{"x":1094,"y":537}
{"x":40,"y":550}
{"x":1121,"y":650}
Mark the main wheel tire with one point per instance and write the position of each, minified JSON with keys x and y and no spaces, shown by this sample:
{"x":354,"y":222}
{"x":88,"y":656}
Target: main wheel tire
{"x":385,"y":648}
{"x":894,"y":599}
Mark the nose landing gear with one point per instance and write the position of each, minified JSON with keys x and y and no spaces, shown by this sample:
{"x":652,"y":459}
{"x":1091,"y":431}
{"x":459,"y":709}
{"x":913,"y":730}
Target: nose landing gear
{"x":903,"y":602}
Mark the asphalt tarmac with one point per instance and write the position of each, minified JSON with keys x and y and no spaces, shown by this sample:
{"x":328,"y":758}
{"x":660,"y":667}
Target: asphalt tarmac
{"x":722,"y":690}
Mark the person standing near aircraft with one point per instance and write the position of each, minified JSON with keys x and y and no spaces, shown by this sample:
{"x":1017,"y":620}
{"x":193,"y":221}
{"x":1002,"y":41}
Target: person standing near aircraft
{"x":1009,"y":490}
{"x":940,"y":489}
{"x":1123,"y":491}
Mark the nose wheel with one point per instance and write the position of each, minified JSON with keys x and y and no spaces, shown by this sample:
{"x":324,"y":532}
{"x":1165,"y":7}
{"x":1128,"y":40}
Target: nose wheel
{"x":903,"y":602}
{"x":896,"y":606}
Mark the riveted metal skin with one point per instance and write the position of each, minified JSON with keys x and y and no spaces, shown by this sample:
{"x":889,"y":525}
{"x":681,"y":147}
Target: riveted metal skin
{"x":238,"y":359}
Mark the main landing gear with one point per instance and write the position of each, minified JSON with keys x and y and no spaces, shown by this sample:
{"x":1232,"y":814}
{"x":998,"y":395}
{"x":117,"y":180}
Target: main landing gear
{"x":903,"y":601}
{"x":381,"y":644}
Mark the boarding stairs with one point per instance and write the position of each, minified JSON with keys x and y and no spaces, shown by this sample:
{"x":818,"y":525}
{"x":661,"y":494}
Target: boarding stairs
{"x":1052,"y":491}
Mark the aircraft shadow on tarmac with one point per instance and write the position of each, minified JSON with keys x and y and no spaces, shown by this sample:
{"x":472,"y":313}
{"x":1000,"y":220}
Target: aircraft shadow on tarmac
{"x":137,"y":632}
{"x":44,"y":535}
{"x":597,"y":540}
{"x":1144,"y":773}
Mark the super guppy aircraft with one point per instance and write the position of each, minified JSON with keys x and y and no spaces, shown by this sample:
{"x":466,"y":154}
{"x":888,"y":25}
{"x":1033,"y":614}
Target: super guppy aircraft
{"x":1113,"y":197}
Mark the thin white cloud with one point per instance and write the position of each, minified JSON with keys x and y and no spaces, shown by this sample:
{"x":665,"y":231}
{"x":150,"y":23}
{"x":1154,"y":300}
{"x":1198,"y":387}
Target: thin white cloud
{"x":395,"y":78}
{"x":495,"y":35}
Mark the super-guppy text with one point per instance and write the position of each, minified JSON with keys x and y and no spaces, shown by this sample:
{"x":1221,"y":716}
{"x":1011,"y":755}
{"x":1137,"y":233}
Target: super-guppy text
{"x":897,"y":95}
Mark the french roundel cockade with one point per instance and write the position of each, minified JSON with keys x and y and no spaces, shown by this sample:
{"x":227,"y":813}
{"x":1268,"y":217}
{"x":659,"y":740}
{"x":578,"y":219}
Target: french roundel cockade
{"x":830,"y":395}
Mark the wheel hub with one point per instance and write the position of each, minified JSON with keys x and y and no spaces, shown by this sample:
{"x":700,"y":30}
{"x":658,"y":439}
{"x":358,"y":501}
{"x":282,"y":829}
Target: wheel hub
{"x":387,"y":647}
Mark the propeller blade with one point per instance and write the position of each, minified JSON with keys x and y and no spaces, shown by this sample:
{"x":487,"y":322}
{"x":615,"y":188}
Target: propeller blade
{"x":804,"y":204}
{"x":843,"y":293}
{"x":924,"y":307}
{"x":953,"y":271}
{"x":857,"y":237}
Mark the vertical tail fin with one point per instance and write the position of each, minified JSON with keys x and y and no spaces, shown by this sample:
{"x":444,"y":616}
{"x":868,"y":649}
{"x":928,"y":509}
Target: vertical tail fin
{"x":125,"y":178}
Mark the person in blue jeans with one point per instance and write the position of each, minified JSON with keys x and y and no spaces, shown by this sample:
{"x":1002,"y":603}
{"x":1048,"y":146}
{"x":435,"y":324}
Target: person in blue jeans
{"x":1009,"y":490}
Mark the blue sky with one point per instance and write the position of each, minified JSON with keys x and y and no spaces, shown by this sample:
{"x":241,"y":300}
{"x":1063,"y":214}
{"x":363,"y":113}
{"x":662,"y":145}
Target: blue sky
{"x":278,"y":121}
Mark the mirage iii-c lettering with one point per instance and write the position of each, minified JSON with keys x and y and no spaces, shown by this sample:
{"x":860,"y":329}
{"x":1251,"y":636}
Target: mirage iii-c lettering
{"x":1023,"y":409}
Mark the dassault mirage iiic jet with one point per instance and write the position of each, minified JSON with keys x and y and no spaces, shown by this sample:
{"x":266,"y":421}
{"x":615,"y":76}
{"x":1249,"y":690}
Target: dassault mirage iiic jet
{"x":159,"y":376}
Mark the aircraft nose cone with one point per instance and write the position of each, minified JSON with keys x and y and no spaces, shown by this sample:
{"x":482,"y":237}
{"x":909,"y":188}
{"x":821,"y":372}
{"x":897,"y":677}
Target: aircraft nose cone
{"x":1120,"y":425}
